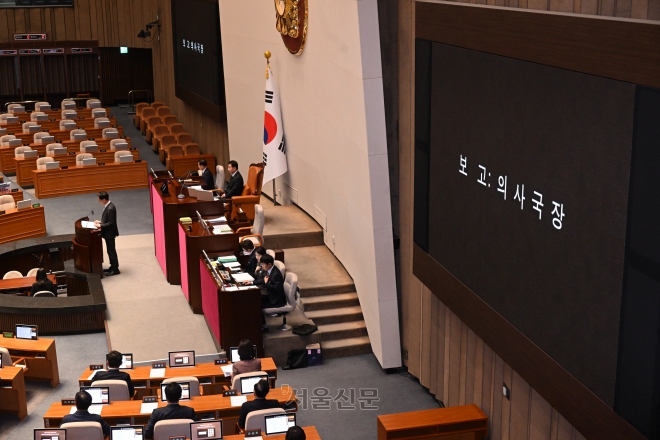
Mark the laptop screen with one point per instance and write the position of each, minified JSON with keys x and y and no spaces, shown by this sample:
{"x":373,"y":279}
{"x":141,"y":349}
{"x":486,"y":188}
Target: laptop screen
{"x":248,"y":383}
{"x":279,"y":423}
{"x":127,"y":433}
{"x":126,"y":361}
{"x":100,"y":395}
{"x":234,"y":353}
{"x":50,"y":434}
{"x":182,"y":359}
{"x":210,"y":430}
{"x":24,"y":331}
{"x":185,"y":391}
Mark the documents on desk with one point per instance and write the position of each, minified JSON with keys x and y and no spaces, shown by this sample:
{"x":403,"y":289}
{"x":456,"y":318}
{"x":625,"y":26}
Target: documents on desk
{"x":93,"y":409}
{"x":242,"y":277}
{"x":238,"y":400}
{"x":148,"y":408}
{"x":157,"y":372}
{"x":88,"y":225}
{"x":222,"y":229}
{"x":227,"y":369}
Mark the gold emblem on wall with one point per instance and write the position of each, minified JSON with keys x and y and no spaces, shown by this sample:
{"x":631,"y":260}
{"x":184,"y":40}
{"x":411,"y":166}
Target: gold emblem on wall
{"x":291,"y":23}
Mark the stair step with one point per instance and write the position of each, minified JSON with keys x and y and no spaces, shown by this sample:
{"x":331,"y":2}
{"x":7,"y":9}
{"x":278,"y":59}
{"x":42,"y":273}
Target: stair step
{"x":342,"y":330}
{"x":346,"y":347}
{"x":309,"y":291}
{"x":324,"y":302}
{"x":333,"y":316}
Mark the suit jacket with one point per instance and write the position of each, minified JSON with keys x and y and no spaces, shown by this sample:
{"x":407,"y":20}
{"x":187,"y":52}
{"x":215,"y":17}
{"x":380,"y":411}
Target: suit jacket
{"x":252,"y":264}
{"x":85,"y":416}
{"x":115,"y":374}
{"x":235,"y":185}
{"x":109,"y":222}
{"x":47,"y":285}
{"x":208,"y":183}
{"x":255,"y":405}
{"x":169,"y":412}
{"x":274,"y":287}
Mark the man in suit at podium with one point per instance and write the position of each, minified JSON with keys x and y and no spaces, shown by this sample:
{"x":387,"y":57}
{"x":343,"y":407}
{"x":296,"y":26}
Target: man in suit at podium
{"x":206,"y":175}
{"x":109,"y":231}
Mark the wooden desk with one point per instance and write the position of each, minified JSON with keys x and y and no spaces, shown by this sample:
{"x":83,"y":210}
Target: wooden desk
{"x":17,"y":195}
{"x":54,"y":123}
{"x":465,"y":422}
{"x":90,"y":179}
{"x":24,"y":283}
{"x":208,"y":372}
{"x":24,"y":167}
{"x":16,"y":225}
{"x":130,"y":409}
{"x":180,"y":164}
{"x":104,"y":144}
{"x":65,"y":135}
{"x":40,"y":357}
{"x":310,"y":434}
{"x":12,"y":391}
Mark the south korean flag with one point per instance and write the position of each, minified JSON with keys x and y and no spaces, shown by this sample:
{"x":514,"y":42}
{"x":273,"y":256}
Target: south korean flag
{"x":274,"y":145}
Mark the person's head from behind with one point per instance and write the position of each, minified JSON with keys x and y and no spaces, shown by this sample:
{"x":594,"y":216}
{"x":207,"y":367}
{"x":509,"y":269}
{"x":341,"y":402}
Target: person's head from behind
{"x":83,"y":400}
{"x":295,"y":433}
{"x":201,"y":164}
{"x":261,"y":389}
{"x":173,"y":392}
{"x":266,"y":262}
{"x":248,"y":246}
{"x":41,"y":275}
{"x":246,"y":350}
{"x":104,"y":197}
{"x":114,"y":359}
{"x":232,"y":167}
{"x":260,"y":252}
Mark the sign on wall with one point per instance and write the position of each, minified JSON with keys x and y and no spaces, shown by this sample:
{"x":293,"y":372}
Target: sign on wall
{"x":29,"y":37}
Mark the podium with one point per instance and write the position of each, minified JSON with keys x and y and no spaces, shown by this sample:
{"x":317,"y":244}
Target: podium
{"x":87,"y":249}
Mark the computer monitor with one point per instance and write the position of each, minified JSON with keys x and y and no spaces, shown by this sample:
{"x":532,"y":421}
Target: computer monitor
{"x":30,"y":153}
{"x":47,"y":139}
{"x":126,"y":361}
{"x":53,"y":165}
{"x":88,"y":162}
{"x":207,"y":430}
{"x":91,"y":148}
{"x":121,"y":146}
{"x":15,"y":143}
{"x":234,"y":353}
{"x":34,"y":128}
{"x":126,"y":159}
{"x":100,"y":395}
{"x":185,"y":391}
{"x":182,"y":359}
{"x":130,"y":432}
{"x":23,"y":204}
{"x":26,"y":331}
{"x":248,"y":383}
{"x":59,"y":151}
{"x":79,"y":136}
{"x":50,"y":434}
{"x":279,"y":423}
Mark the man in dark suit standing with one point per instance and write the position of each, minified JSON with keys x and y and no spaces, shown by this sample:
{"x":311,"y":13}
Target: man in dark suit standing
{"x":206,"y":175}
{"x":83,"y":402}
{"x":113,"y":361}
{"x":109,"y":231}
{"x":235,"y":185}
{"x":172,"y":411}
{"x":260,"y":402}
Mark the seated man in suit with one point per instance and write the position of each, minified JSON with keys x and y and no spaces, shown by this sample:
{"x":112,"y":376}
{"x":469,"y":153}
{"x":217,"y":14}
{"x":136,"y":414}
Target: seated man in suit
{"x":205,"y":173}
{"x":113,"y":361}
{"x":83,"y":402}
{"x":295,"y":433}
{"x":235,"y":185}
{"x":261,"y":390}
{"x":248,"y":249}
{"x":271,"y":282}
{"x":172,"y":411}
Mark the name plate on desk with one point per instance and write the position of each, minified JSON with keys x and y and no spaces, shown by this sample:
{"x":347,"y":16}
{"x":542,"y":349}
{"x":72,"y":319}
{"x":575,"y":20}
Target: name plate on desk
{"x":229,"y":393}
{"x":253,"y":433}
{"x":95,"y":367}
{"x":158,"y":364}
{"x":221,"y":361}
{"x":68,"y":402}
{"x":14,"y":190}
{"x":177,"y":437}
{"x":150,"y":399}
{"x":7,"y":334}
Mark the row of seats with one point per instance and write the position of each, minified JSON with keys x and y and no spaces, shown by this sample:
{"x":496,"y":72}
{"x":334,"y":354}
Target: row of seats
{"x":8,"y":118}
{"x":42,"y":106}
{"x":74,"y":135}
{"x":85,"y":147}
{"x":7,"y":202}
{"x":42,"y":161}
{"x":32,"y":126}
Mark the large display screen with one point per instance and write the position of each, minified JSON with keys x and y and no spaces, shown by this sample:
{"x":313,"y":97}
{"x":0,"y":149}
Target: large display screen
{"x":525,"y":197}
{"x":199,"y":78}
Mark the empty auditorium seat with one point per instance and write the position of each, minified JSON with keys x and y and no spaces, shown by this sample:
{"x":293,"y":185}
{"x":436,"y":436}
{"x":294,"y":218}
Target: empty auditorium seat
{"x":50,"y":149}
{"x":152,"y":122}
{"x":192,"y":150}
{"x":42,"y":106}
{"x":164,"y":145}
{"x":177,"y":128}
{"x":85,"y":144}
{"x":99,"y":113}
{"x":119,"y":154}
{"x":93,"y":103}
{"x":82,"y":156}
{"x":4,"y":140}
{"x":27,"y":127}
{"x":110,"y":133}
{"x":184,"y":139}
{"x":38,"y":116}
{"x":158,"y":132}
{"x":116,"y":143}
{"x":147,"y":114}
{"x":15,"y":109}
{"x":8,"y":118}
{"x":8,"y":202}
{"x":38,"y":137}
{"x":77,"y":131}
{"x":42,"y":161}
{"x":140,"y":106}
{"x":169,"y":120}
{"x":101,"y":122}
{"x":163,"y":111}
{"x":69,"y":114}
{"x":66,"y":125}
{"x":156,"y":104}
{"x":175,"y":151}
{"x":19,"y":152}
{"x":67,"y":104}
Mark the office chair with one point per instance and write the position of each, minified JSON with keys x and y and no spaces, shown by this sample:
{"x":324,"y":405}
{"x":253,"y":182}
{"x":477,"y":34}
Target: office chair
{"x":41,"y":165}
{"x":194,"y":384}
{"x":19,"y":152}
{"x":165,"y":429}
{"x":44,"y":294}
{"x":118,"y":389}
{"x":83,"y":431}
{"x":8,"y":202}
{"x":121,"y":153}
{"x":257,"y":419}
{"x":290,"y":287}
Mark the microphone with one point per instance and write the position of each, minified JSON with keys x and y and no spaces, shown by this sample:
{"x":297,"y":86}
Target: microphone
{"x":182,"y":181}
{"x":154,"y":173}
{"x":90,"y":213}
{"x":171,"y":176}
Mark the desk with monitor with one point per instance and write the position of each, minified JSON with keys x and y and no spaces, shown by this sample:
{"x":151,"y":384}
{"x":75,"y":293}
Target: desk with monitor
{"x":40,"y":358}
{"x":17,"y":224}
{"x":12,"y":391}
{"x":310,"y":433}
{"x":24,"y":284}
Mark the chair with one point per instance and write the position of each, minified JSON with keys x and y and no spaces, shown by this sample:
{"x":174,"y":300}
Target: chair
{"x":50,"y":149}
{"x":177,"y":129}
{"x":110,"y":133}
{"x":244,"y":204}
{"x":76,"y":131}
{"x":83,"y":431}
{"x":7,"y":118}
{"x":82,"y":156}
{"x":99,"y":113}
{"x":165,"y":429}
{"x":101,"y":122}
{"x":7,"y":359}
{"x":93,"y":103}
{"x":41,"y":165}
{"x":121,"y":153}
{"x":32,"y":272}
{"x":7,"y":202}
{"x":12,"y":274}
{"x":138,"y":113}
{"x":281,"y":267}
{"x":118,"y":389}
{"x":114,"y":142}
{"x":257,"y":419}
{"x":27,"y":125}
{"x":68,"y":104}
{"x":15,"y":108}
{"x":174,"y":151}
{"x":4,"y":140}
{"x":42,"y":106}
{"x":156,"y":104}
{"x":290,"y":288}
{"x":235,"y":381}
{"x":151,"y":124}
{"x":157,"y":142}
{"x":85,"y":144}
{"x":169,"y":119}
{"x":69,"y":114}
{"x":192,"y":150}
{"x":163,"y":111}
{"x":19,"y":152}
{"x":44,"y":294}
{"x":194,"y":384}
{"x":184,"y":139}
{"x":220,"y":177}
{"x":38,"y":116}
{"x":67,"y":125}
{"x":37,"y":137}
{"x":164,"y":146}
{"x":158,"y":131}
{"x":146,"y":114}
{"x":256,"y":231}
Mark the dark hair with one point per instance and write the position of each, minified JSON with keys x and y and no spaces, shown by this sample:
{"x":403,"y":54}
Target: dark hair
{"x":83,"y":400}
{"x":202,"y":162}
{"x":247,"y":244}
{"x":295,"y":433}
{"x":261,"y":251}
{"x":246,"y":350}
{"x":173,"y":392}
{"x":114,"y":359}
{"x":103,"y":195}
{"x":261,"y":388}
{"x":41,"y":276}
{"x":233,"y":163}
{"x":267,"y":259}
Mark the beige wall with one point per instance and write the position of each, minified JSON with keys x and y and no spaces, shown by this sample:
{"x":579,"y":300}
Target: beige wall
{"x":334,"y":123}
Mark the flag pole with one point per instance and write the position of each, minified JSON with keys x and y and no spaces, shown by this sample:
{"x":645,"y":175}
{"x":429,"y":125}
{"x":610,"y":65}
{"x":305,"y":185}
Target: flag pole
{"x":267,"y":55}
